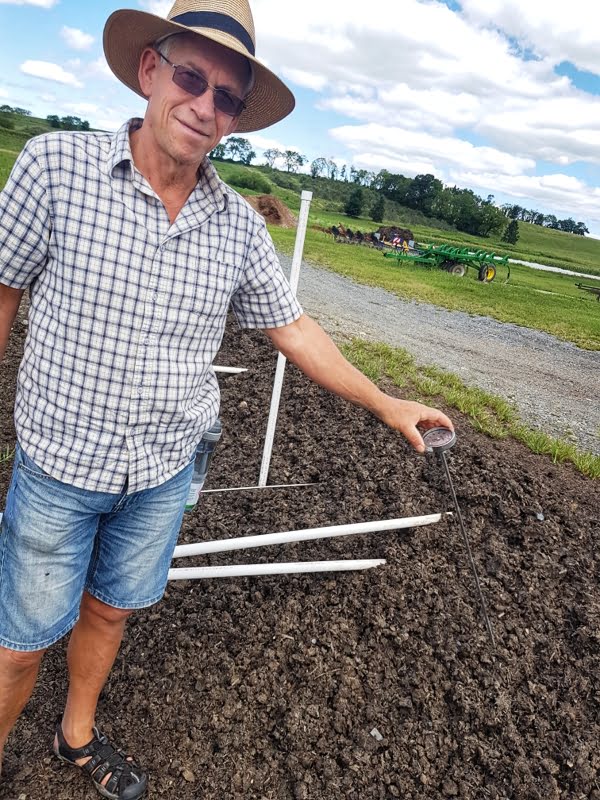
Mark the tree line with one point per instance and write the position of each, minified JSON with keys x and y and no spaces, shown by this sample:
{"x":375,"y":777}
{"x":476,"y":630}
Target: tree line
{"x":515,"y":212}
{"x":68,"y":123}
{"x":462,"y":208}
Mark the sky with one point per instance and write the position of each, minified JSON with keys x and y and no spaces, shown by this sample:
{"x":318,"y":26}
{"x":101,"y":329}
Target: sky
{"x":499,"y":96}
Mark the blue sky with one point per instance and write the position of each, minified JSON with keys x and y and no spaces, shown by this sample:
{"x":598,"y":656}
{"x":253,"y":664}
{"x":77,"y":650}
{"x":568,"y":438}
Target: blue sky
{"x":494,"y":95}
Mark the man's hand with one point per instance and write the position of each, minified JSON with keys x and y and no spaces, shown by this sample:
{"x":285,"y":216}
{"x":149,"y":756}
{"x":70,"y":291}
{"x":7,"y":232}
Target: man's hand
{"x":407,"y":417}
{"x":307,"y":346}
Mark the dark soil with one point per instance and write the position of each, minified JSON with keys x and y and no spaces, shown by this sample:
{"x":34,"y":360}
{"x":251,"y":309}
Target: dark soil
{"x":270,"y":688}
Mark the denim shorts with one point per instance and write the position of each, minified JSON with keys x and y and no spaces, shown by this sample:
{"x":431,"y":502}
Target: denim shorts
{"x":57,"y":540}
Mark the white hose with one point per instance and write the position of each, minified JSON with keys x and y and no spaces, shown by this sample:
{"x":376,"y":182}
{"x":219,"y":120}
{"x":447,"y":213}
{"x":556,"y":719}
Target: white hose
{"x":243,"y":542}
{"x":289,"y":568}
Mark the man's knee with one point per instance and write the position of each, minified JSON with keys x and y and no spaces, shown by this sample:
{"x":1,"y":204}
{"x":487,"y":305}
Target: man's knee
{"x":20,"y":660}
{"x":91,"y":607}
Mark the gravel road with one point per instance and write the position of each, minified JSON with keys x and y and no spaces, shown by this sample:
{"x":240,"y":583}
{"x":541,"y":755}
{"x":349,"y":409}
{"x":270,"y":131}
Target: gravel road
{"x":554,"y":385}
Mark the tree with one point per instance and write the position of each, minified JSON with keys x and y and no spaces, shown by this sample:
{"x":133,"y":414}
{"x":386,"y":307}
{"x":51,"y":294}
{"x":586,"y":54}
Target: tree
{"x":343,"y":173}
{"x":218,"y":152}
{"x":271,"y":155}
{"x":567,"y":225}
{"x":511,"y":234}
{"x":241,"y":149}
{"x":318,"y":166}
{"x":54,"y":120}
{"x":293,"y":160}
{"x":354,"y":203}
{"x":378,"y":209}
{"x":332,"y":169}
{"x":423,"y":192}
{"x":580,"y":229}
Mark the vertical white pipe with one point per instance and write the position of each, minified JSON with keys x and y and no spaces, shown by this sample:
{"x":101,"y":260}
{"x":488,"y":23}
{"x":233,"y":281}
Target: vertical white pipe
{"x":305,"y":199}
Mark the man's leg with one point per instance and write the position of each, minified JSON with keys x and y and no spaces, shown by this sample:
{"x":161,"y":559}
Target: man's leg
{"x":92,"y":650}
{"x":18,"y":673}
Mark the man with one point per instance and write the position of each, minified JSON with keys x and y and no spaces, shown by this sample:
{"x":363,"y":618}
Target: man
{"x":133,"y":250}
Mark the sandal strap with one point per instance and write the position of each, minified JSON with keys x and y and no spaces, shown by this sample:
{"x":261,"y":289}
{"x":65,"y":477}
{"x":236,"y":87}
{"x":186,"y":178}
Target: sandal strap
{"x":104,"y":758}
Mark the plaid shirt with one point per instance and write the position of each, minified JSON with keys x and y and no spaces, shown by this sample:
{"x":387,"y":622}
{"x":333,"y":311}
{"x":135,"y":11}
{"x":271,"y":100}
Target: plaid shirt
{"x":127,"y":311}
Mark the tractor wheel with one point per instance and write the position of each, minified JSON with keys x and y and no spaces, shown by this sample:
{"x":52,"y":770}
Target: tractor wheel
{"x":456,"y":268}
{"x":487,"y":273}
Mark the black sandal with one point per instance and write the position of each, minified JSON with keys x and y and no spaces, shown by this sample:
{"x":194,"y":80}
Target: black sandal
{"x":127,"y":780}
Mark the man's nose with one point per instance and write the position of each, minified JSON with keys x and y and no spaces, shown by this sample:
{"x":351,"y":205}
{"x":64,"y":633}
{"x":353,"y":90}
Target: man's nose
{"x":204,"y":104}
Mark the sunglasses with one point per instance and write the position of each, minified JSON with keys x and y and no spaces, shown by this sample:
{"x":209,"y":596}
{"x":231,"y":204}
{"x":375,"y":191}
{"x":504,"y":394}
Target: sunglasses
{"x":194,"y":83}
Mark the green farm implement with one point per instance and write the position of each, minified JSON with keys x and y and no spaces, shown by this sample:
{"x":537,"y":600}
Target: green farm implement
{"x":455,"y":260}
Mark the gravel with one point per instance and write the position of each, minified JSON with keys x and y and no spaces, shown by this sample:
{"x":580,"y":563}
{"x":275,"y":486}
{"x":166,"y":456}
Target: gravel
{"x":553,"y":384}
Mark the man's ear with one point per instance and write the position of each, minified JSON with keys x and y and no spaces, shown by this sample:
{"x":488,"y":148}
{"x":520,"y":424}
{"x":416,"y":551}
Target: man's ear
{"x":149,"y":62}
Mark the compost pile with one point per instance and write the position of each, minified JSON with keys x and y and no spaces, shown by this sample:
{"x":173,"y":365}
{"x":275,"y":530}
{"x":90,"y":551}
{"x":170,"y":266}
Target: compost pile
{"x":368,"y":685}
{"x":272,"y":209}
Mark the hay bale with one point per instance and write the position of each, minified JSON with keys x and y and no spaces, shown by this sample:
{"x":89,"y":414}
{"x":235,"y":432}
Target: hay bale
{"x":273,"y":210}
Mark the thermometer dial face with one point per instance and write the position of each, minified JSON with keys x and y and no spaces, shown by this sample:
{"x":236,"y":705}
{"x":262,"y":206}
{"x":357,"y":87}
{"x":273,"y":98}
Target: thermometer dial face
{"x":439,"y":439}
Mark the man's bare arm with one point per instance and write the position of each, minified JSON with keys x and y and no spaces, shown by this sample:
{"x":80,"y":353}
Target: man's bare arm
{"x":307,"y":345}
{"x":10,"y":300}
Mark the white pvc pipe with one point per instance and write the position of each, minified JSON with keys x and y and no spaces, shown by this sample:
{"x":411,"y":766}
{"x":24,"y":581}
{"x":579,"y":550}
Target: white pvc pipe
{"x":244,"y":542}
{"x":244,"y":488}
{"x":305,"y":199}
{"x":230,"y":370}
{"x":289,"y":568}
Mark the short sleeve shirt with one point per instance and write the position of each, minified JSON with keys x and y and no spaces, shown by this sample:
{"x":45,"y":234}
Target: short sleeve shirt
{"x":127,"y":311}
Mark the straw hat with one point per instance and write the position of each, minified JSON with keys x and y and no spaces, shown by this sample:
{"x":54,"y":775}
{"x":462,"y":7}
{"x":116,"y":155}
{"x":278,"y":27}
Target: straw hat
{"x":228,"y":22}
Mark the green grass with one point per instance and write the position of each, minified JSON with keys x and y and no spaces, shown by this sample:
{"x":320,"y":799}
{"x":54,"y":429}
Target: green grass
{"x":488,"y":414}
{"x":542,"y":300}
{"x":7,"y":160}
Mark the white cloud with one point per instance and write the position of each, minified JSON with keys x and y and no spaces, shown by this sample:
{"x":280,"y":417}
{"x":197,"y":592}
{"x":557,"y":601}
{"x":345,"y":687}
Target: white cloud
{"x":38,"y":3}
{"x":159,"y":7}
{"x":548,"y":27}
{"x":445,"y":152}
{"x":50,"y":72}
{"x":100,"y":69}
{"x":76,"y":39}
{"x":4,"y":93}
{"x":82,"y":108}
{"x":306,"y":79}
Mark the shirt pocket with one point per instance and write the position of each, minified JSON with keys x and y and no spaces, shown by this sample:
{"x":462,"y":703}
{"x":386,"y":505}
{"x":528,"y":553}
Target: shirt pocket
{"x":198,"y":295}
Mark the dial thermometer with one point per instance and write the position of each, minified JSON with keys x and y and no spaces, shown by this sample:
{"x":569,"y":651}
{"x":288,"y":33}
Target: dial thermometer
{"x":439,"y":441}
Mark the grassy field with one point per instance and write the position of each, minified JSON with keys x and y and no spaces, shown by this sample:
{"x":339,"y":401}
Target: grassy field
{"x":546,"y":301}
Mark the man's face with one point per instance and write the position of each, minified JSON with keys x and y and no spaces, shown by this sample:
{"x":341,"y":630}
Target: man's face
{"x":186,"y":128}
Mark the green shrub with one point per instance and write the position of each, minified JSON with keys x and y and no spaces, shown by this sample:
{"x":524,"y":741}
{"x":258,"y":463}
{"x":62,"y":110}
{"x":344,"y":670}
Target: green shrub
{"x":286,"y":181}
{"x":248,"y":179}
{"x":34,"y":130}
